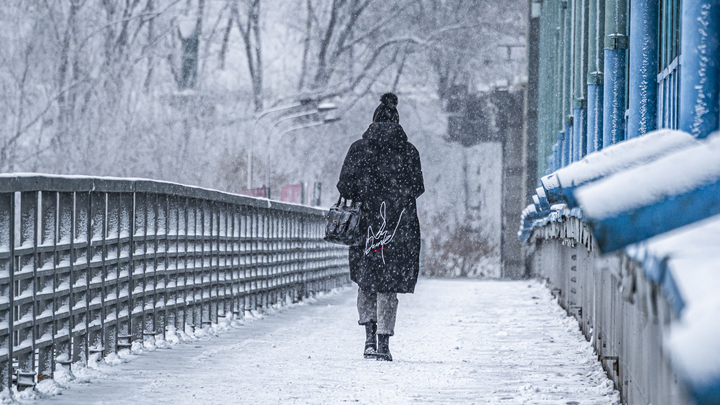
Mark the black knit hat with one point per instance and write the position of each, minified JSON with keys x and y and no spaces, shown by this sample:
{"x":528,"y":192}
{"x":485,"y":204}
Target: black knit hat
{"x":387,"y":110}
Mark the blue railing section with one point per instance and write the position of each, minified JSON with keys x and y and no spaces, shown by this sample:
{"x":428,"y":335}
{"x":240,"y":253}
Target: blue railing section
{"x":630,"y":193}
{"x":621,"y":311}
{"x":660,"y":70}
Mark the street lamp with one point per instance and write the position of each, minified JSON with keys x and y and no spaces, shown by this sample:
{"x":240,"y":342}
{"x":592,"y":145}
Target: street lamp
{"x":322,"y":107}
{"x":326,"y":106}
{"x":295,"y":128}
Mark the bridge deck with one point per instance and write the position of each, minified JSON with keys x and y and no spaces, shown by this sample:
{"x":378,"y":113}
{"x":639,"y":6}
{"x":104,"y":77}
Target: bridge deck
{"x":456,"y":342}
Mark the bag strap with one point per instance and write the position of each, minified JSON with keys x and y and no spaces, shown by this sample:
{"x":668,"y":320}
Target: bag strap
{"x":355,"y":203}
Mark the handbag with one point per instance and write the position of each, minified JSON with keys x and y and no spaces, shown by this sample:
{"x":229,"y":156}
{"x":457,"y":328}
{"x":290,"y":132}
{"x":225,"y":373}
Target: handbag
{"x":343,"y":223}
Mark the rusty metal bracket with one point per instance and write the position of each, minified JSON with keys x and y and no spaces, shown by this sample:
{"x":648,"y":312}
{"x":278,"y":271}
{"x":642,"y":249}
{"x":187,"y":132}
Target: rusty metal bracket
{"x":124,"y":342}
{"x":616,"y":363}
{"x":24,"y":379}
{"x":578,"y":308}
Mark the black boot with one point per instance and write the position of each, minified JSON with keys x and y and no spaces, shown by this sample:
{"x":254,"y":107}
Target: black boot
{"x":370,"y":343}
{"x":383,"y":351}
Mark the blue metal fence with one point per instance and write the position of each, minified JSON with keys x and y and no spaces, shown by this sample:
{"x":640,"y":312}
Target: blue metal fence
{"x":613,"y":72}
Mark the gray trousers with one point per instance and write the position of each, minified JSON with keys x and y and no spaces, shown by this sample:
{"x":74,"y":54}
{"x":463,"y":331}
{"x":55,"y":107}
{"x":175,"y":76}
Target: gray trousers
{"x":380,"y":308}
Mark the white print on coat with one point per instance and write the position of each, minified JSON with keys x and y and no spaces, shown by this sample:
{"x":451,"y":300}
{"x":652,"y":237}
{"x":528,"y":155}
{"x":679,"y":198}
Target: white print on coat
{"x":382,"y":237}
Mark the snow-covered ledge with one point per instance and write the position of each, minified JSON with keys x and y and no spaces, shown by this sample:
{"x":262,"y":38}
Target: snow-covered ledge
{"x":661,"y":220}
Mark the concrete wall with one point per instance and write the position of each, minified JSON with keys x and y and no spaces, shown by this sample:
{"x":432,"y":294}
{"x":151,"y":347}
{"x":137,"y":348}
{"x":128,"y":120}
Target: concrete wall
{"x":621,"y":312}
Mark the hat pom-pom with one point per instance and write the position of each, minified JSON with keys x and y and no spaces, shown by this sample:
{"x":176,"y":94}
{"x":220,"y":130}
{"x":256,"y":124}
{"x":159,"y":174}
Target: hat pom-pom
{"x":389,"y":99}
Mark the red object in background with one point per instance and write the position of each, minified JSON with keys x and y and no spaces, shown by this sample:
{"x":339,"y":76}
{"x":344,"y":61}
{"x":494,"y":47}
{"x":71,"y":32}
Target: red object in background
{"x":292,"y":193}
{"x":254,"y":192}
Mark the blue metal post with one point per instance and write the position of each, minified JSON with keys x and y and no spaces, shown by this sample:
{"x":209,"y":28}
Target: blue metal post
{"x":580,"y":69}
{"x":579,"y":134}
{"x":552,"y":160}
{"x":594,"y":116}
{"x":699,"y":100}
{"x":560,"y":150}
{"x":596,"y":33}
{"x":643,"y":67}
{"x":567,"y":89}
{"x":567,"y":143}
{"x":614,"y":76}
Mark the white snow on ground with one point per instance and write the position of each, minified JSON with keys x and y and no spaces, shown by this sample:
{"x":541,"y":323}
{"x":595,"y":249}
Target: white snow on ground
{"x":457,"y":341}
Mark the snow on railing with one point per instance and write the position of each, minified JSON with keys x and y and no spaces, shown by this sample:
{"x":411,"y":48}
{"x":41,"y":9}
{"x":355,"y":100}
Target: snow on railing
{"x":619,"y":309}
{"x":651,"y":273}
{"x":114,"y":260}
{"x":558,"y":186}
{"x":672,"y":191}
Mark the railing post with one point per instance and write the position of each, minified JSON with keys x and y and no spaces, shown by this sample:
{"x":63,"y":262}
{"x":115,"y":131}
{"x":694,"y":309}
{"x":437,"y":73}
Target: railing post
{"x":25,"y":277}
{"x":184,"y":231}
{"x":138,"y":269}
{"x":173,"y":260}
{"x":205,"y":259}
{"x":64,"y":274}
{"x":254,"y":260}
{"x":197,"y":264}
{"x":7,"y":285}
{"x":125,"y":218}
{"x":167,"y":242}
{"x":46,"y":288}
{"x":151,"y":266}
{"x":217,"y":254}
{"x":96,"y":273}
{"x":161,"y":265}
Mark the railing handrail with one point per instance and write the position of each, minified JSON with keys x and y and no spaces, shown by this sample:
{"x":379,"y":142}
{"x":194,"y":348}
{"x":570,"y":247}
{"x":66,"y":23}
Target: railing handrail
{"x":21,"y":182}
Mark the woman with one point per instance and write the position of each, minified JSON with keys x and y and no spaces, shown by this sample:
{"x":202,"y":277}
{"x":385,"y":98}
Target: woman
{"x":382,"y":170}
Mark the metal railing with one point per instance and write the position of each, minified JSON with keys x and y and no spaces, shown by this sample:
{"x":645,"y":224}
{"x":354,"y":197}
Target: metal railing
{"x":88,"y":265}
{"x":618,"y":309}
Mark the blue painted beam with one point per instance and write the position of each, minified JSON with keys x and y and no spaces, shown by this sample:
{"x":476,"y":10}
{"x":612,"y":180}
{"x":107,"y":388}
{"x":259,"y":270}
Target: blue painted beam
{"x":643,"y":67}
{"x":699,"y":75}
{"x":559,"y":186}
{"x":637,"y":204}
{"x":643,"y":223}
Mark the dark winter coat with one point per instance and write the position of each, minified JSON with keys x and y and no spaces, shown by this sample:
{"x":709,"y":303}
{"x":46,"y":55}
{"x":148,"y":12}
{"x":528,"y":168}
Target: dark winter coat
{"x":382,"y":170}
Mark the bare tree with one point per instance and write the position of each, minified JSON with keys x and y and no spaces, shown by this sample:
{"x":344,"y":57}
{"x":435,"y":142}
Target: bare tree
{"x":468,"y":33}
{"x":249,"y":27}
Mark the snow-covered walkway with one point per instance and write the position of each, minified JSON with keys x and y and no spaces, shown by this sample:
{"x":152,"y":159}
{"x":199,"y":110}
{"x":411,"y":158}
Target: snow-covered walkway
{"x":457,"y":341}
